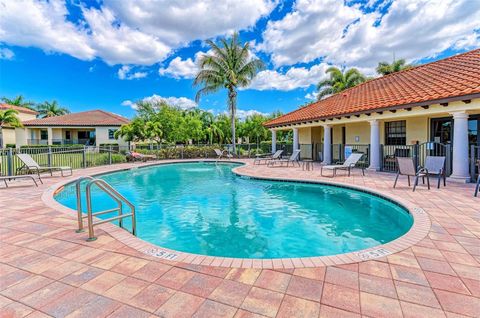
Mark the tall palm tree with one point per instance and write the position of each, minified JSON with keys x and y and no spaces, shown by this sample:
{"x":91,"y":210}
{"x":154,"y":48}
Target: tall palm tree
{"x":339,"y":81}
{"x":19,"y":101}
{"x":51,"y":109}
{"x":384,"y":68}
{"x":229,"y":66}
{"x":8,"y":117}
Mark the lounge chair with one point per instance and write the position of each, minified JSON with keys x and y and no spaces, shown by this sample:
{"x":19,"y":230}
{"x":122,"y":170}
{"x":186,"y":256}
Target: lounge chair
{"x":259,"y":158}
{"x":222,"y":154}
{"x":136,"y":156}
{"x":294,"y":158}
{"x":348,"y":165}
{"x":8,"y":178}
{"x":30,"y":165}
{"x":435,"y":165}
{"x":406,"y":167}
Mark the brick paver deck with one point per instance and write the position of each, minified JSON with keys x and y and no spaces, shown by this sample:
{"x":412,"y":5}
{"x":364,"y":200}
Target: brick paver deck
{"x":46,"y":269}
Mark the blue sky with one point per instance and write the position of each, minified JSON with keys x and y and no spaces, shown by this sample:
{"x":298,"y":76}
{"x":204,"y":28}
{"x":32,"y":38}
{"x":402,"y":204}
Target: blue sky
{"x":109,"y":54}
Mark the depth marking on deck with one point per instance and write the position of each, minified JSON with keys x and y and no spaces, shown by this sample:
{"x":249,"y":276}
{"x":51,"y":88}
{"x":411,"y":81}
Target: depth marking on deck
{"x":374,"y":253}
{"x":156,"y":252}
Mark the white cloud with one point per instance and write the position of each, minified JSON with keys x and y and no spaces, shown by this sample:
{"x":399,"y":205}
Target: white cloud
{"x":411,"y":29}
{"x":6,"y":54}
{"x":42,"y":24}
{"x":181,"y":102}
{"x":125,"y":32}
{"x":180,"y":22}
{"x":312,"y":96}
{"x":242,"y":114}
{"x":180,"y":68}
{"x":126,"y":73}
{"x":295,"y":77}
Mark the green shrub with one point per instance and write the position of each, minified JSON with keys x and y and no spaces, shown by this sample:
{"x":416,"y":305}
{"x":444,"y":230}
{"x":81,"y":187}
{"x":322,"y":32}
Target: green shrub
{"x":53,"y":146}
{"x":10,"y":146}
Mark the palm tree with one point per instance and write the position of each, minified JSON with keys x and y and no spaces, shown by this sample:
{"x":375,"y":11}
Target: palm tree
{"x":51,"y":109}
{"x":8,"y":117}
{"x":213,"y":131}
{"x":19,"y":101}
{"x":384,"y":68}
{"x":229,"y":66}
{"x":339,"y":81}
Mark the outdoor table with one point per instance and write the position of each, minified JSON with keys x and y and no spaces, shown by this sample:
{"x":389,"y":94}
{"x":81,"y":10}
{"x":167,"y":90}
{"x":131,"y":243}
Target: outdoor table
{"x":307,"y":164}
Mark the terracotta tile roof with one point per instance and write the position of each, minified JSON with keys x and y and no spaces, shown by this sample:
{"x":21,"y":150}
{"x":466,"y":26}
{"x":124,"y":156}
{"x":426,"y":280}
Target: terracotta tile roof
{"x":452,"y":77}
{"x":18,"y":108}
{"x":87,"y":118}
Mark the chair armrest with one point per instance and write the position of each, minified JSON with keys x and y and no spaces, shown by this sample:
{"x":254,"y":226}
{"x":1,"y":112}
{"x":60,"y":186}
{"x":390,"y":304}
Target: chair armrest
{"x":339,"y":162}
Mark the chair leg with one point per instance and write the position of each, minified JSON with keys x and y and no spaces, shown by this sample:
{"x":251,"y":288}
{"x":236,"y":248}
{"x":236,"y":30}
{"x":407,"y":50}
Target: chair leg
{"x":396,"y":179}
{"x":428,"y":182}
{"x":423,"y":180}
{"x":439,"y":180}
{"x":408,"y":177}
{"x":415,"y":183}
{"x":444,"y":179}
{"x":6,"y":184}
{"x":363,"y":171}
{"x":478,"y":186}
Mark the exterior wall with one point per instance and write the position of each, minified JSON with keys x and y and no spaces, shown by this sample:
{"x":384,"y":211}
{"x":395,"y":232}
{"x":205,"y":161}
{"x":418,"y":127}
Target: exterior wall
{"x":418,"y":129}
{"x":357,"y":133}
{"x":317,"y":135}
{"x":305,"y":135}
{"x":25,"y":117}
{"x":101,"y":134}
{"x":8,"y":135}
{"x":337,"y":134}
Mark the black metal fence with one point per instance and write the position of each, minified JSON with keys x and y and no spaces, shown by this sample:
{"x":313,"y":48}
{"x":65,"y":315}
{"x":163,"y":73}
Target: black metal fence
{"x":474,"y":158}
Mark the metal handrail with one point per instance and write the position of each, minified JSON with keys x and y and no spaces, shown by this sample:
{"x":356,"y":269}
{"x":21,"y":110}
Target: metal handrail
{"x":112,"y":193}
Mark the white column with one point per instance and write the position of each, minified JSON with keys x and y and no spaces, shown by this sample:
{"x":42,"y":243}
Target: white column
{"x":374,"y":145}
{"x":274,"y":141}
{"x":295,"y":139}
{"x":50,"y":135}
{"x":460,"y":171}
{"x":327,"y":144}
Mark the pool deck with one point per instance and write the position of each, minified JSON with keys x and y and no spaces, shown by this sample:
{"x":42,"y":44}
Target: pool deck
{"x":46,"y":269}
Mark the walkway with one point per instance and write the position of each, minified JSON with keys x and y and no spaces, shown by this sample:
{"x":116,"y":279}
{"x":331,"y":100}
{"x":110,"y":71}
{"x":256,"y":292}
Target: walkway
{"x":46,"y":269}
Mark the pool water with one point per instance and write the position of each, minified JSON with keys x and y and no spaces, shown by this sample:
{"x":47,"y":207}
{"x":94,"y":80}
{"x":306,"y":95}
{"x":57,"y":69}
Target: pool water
{"x":204,"y":208}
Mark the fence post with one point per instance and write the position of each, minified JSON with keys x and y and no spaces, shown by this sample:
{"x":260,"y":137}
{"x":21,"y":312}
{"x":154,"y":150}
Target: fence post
{"x":151,"y":146}
{"x":448,"y":160}
{"x":10,"y":162}
{"x":49,"y":156}
{"x":472,"y":163}
{"x":84,"y":157}
{"x":110,"y":155}
{"x":382,"y":156}
{"x":416,"y":158}
{"x":182,"y":152}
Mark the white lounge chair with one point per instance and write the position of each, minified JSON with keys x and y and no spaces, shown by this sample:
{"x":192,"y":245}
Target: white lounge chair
{"x":222,"y":154}
{"x":294,"y":158}
{"x":259,"y":158}
{"x":406,"y":167}
{"x":348,"y":165}
{"x":30,"y":165}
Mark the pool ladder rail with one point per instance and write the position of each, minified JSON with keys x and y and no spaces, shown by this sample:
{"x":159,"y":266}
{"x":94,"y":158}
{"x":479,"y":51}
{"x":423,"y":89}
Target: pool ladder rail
{"x":112,"y":193}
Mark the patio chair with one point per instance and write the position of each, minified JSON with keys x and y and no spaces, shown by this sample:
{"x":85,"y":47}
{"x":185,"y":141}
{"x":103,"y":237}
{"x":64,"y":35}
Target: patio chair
{"x":406,"y":167}
{"x":222,"y":154}
{"x":259,"y":158}
{"x":294,"y":158}
{"x":435,"y":165}
{"x":348,"y":165}
{"x":30,"y":165}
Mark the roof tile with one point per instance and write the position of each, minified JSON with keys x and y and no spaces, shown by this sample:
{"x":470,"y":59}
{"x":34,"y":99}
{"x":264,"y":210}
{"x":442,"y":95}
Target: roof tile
{"x":455,"y":76}
{"x":87,"y":118}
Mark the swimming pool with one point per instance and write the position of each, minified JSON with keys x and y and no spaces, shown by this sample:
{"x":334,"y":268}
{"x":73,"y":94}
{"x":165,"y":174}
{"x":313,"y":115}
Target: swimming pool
{"x":205,"y":208}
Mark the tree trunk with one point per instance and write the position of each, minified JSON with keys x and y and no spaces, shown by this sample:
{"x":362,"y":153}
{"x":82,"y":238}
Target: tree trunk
{"x":232,"y":98}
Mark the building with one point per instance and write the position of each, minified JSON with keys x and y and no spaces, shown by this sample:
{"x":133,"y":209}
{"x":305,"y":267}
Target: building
{"x":8,"y":132}
{"x":94,"y":127}
{"x":431,"y":109}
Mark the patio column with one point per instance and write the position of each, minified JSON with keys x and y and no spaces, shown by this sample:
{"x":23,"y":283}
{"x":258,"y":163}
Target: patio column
{"x":460,"y":170}
{"x":327,"y":144}
{"x":49,"y":136}
{"x":274,"y":141}
{"x":295,"y":139}
{"x":374,"y":145}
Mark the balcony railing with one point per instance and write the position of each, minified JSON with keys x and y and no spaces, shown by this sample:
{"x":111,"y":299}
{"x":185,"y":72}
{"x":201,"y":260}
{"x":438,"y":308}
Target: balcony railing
{"x":86,"y":141}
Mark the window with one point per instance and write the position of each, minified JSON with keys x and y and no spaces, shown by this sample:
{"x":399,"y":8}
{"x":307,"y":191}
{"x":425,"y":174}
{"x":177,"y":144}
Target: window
{"x":111,"y":133}
{"x":67,"y":135}
{"x":396,"y":133}
{"x":43,"y":134}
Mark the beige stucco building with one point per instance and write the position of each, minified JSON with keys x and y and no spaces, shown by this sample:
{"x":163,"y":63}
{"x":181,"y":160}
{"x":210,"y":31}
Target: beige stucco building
{"x":90,"y":128}
{"x":8,"y":132}
{"x":432,"y":109}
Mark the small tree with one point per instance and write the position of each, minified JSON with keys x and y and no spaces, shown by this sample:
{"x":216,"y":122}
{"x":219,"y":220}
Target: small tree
{"x":385,"y":68}
{"x":51,"y":109}
{"x":19,"y":101}
{"x":339,"y":81}
{"x":8,"y":117}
